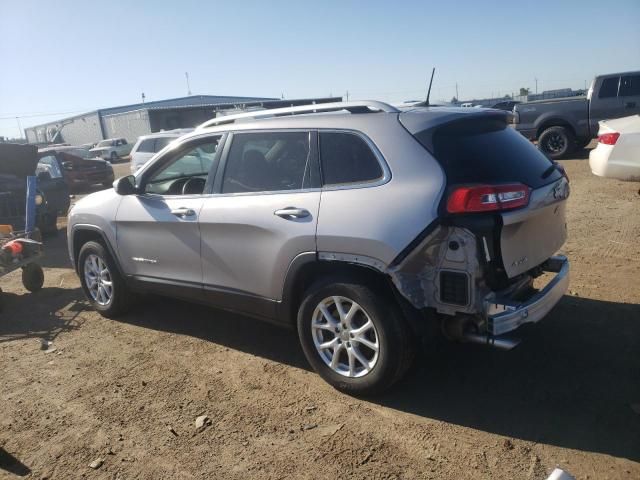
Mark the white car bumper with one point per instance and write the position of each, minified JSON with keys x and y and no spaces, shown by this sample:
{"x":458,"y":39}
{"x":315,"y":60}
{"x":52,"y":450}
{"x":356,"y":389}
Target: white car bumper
{"x":604,"y":162}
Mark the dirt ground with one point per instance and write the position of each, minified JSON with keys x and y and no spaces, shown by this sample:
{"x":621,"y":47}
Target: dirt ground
{"x":128,"y":392}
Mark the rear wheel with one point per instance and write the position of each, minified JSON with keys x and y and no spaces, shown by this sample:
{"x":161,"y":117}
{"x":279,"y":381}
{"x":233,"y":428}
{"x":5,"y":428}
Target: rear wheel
{"x":354,"y":337}
{"x":103,"y":285}
{"x":556,"y":142}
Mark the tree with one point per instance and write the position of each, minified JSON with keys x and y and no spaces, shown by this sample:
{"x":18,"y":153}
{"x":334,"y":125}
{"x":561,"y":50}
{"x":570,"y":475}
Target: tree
{"x":524,"y":91}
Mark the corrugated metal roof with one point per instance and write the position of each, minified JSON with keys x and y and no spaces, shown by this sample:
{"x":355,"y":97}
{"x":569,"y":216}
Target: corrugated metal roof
{"x":195,"y":100}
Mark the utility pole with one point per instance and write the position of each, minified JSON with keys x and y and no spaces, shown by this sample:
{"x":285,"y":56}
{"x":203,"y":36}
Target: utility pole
{"x":19,"y":126}
{"x":347,"y":95}
{"x":457,"y":97}
{"x":536,"y":79}
{"x":143,"y":97}
{"x":186,"y":74}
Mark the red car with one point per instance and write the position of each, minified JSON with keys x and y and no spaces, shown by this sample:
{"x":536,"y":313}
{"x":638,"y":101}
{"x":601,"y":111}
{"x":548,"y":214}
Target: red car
{"x":75,"y":166}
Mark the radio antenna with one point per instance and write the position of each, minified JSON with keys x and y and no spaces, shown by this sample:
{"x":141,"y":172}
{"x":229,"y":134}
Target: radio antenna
{"x":426,"y":102}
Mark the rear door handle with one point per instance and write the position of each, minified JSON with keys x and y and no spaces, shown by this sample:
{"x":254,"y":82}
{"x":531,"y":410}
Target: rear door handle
{"x":630,"y":105}
{"x":292,"y":212}
{"x":183,"y":212}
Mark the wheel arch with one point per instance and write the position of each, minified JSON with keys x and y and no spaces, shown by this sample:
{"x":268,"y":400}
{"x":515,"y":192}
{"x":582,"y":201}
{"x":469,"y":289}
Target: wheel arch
{"x":554,"y":122}
{"x":307,"y":268}
{"x":82,"y":234}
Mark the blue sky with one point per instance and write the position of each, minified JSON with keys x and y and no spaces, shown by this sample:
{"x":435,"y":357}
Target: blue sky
{"x":72,"y":56}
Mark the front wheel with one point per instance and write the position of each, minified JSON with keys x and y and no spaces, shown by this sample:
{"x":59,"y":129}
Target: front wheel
{"x":103,"y":285}
{"x":355,"y":338}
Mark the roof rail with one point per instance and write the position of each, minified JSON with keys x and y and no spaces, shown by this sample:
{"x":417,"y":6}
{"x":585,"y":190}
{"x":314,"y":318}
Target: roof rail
{"x":362,"y":106}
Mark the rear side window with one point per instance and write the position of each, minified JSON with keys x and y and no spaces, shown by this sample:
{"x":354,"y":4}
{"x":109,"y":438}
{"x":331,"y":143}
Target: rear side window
{"x":162,"y":142}
{"x":489,"y":152}
{"x":630,"y":86}
{"x":346,"y":158}
{"x":267,"y":162}
{"x":609,"y":87}
{"x":146,"y":146}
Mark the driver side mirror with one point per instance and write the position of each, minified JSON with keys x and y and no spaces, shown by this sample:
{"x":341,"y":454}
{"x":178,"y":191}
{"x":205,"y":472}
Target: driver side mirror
{"x":126,"y":185}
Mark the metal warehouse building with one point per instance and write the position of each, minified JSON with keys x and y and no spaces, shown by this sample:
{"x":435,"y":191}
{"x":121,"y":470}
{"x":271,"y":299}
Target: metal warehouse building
{"x":131,"y":121}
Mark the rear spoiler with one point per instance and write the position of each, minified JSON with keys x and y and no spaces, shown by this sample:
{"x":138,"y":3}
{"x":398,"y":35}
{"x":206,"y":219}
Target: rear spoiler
{"x":426,"y":124}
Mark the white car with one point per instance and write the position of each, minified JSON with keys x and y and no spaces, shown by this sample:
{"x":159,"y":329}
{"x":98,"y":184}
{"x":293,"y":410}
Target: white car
{"x":148,"y":145}
{"x":618,"y":152}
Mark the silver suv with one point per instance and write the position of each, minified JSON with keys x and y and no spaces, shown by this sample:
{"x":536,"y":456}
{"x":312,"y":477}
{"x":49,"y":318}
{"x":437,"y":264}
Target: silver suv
{"x":359,"y":224}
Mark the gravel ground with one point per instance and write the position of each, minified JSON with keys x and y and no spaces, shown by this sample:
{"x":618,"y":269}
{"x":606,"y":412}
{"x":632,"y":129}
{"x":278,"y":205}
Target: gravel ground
{"x":124,"y":395}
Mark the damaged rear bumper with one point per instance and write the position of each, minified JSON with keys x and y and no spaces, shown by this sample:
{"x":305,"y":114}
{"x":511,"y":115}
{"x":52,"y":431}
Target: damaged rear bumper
{"x":505,"y":315}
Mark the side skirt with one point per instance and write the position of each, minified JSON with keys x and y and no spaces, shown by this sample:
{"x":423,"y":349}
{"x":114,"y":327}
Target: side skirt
{"x":225,"y":299}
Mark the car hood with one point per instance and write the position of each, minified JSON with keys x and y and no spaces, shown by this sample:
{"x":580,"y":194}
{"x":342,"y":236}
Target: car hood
{"x":18,"y":160}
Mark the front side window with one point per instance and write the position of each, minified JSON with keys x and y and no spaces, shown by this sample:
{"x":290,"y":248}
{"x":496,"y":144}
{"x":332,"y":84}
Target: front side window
{"x":609,"y":87}
{"x":187,"y":173}
{"x":346,"y":158}
{"x":267,"y":162}
{"x":49,"y":164}
{"x":630,"y":86}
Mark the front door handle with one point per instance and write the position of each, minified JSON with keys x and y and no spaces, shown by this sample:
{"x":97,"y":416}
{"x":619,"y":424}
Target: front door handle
{"x":183,"y":212}
{"x":630,"y":105}
{"x":292,"y":212}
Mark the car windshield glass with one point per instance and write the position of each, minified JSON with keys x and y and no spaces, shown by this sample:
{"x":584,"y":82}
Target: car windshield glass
{"x":104,"y":143}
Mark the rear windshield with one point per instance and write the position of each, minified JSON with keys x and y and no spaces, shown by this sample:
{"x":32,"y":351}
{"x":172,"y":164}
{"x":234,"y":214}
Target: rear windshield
{"x":488,"y":151}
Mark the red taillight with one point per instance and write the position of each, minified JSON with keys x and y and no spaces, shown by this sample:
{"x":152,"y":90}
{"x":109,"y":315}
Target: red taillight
{"x":487,"y":198}
{"x":608,"y":138}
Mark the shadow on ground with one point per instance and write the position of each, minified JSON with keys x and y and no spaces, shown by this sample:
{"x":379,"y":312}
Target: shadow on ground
{"x":44,"y":314}
{"x":574,"y":381}
{"x":11,"y":464}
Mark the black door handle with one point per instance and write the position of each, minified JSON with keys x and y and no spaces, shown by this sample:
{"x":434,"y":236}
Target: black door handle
{"x":630,"y":105}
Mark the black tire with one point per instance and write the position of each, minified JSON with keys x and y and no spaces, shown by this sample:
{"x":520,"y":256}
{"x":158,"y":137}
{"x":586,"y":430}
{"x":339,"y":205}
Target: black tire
{"x":113,"y":158}
{"x":32,"y":277}
{"x":556,"y":142}
{"x":396,"y":347}
{"x":120,"y":299}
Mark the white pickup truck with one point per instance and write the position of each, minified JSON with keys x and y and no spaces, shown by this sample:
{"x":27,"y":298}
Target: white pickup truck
{"x":112,"y":149}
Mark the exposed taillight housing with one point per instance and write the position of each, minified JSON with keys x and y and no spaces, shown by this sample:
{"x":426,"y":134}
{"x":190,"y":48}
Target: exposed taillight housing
{"x":487,"y":198}
{"x":608,"y":138}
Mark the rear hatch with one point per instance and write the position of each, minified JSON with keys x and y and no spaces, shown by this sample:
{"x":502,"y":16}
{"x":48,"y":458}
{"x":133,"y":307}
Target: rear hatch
{"x":494,"y":173}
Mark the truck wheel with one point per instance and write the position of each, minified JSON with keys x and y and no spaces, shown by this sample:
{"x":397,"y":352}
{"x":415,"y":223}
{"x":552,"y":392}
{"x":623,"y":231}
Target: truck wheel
{"x":354,"y":337}
{"x":555,"y":142}
{"x":32,"y":277}
{"x":101,"y":281}
{"x":113,"y":158}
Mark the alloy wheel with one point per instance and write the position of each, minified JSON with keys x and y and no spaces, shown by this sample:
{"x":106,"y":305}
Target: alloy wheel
{"x":345,"y":337}
{"x":98,"y":279}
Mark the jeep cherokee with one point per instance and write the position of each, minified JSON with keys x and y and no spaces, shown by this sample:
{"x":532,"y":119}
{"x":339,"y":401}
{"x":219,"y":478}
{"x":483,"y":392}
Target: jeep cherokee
{"x":359,"y":224}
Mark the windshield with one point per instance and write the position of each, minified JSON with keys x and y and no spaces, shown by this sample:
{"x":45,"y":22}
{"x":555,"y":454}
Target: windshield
{"x":104,"y":143}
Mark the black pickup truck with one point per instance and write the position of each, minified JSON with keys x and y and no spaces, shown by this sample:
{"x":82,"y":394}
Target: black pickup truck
{"x":562,"y":125}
